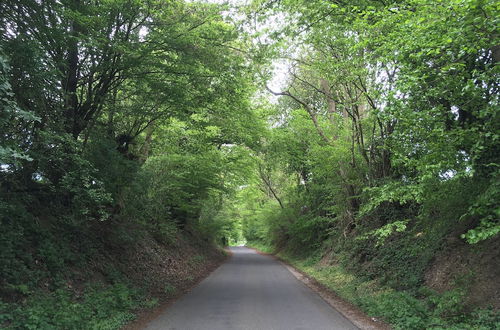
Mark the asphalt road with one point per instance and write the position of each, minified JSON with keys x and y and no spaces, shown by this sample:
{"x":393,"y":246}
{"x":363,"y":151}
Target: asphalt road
{"x":251,"y":291}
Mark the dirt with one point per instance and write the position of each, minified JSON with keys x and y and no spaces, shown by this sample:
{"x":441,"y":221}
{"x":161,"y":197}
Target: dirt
{"x":476,"y":267}
{"x":157,"y":266}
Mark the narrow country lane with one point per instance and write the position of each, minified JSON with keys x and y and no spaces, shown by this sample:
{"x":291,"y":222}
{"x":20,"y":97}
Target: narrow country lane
{"x":251,"y":291}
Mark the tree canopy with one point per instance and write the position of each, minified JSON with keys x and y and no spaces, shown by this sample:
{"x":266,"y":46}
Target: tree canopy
{"x":378,"y":140}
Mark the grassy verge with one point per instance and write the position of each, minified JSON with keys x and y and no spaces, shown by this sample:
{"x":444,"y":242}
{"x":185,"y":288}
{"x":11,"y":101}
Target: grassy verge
{"x":402,"y":310}
{"x":261,"y":247}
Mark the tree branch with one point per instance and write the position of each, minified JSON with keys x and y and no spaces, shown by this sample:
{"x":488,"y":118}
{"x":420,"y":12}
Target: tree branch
{"x":306,"y":107}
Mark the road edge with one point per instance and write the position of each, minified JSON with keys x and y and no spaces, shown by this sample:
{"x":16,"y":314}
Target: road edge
{"x":144,"y":317}
{"x":350,"y":311}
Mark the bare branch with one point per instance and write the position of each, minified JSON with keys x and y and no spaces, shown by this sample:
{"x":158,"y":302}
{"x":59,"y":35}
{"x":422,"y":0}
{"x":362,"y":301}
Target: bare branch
{"x":309,"y":110}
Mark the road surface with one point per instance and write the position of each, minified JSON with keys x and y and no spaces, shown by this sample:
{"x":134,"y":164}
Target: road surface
{"x":250,"y":292}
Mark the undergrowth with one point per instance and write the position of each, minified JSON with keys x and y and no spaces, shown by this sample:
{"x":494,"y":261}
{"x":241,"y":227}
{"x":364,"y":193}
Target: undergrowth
{"x":99,"y":307}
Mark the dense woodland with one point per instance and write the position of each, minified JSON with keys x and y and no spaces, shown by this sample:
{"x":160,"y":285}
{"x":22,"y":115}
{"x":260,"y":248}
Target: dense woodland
{"x":371,"y":161}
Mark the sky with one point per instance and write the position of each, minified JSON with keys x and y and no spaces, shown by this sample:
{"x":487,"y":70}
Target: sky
{"x":279,"y":68}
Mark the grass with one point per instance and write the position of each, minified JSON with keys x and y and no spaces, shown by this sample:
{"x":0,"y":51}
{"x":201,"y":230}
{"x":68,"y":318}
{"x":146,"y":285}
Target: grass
{"x":169,"y":289}
{"x":260,"y":246}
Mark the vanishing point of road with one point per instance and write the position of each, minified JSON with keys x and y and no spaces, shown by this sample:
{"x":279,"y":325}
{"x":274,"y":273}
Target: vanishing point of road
{"x":251,"y":292}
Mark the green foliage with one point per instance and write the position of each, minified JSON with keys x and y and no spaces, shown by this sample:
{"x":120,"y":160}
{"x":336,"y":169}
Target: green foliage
{"x":260,"y":246}
{"x":112,"y":169}
{"x":487,"y":209}
{"x":309,"y":232}
{"x":98,"y":308}
{"x":169,"y":289}
{"x":382,"y":233}
{"x":9,"y":152}
{"x":119,"y":120}
{"x":393,"y":192}
{"x":401,"y":309}
{"x":383,"y":148}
